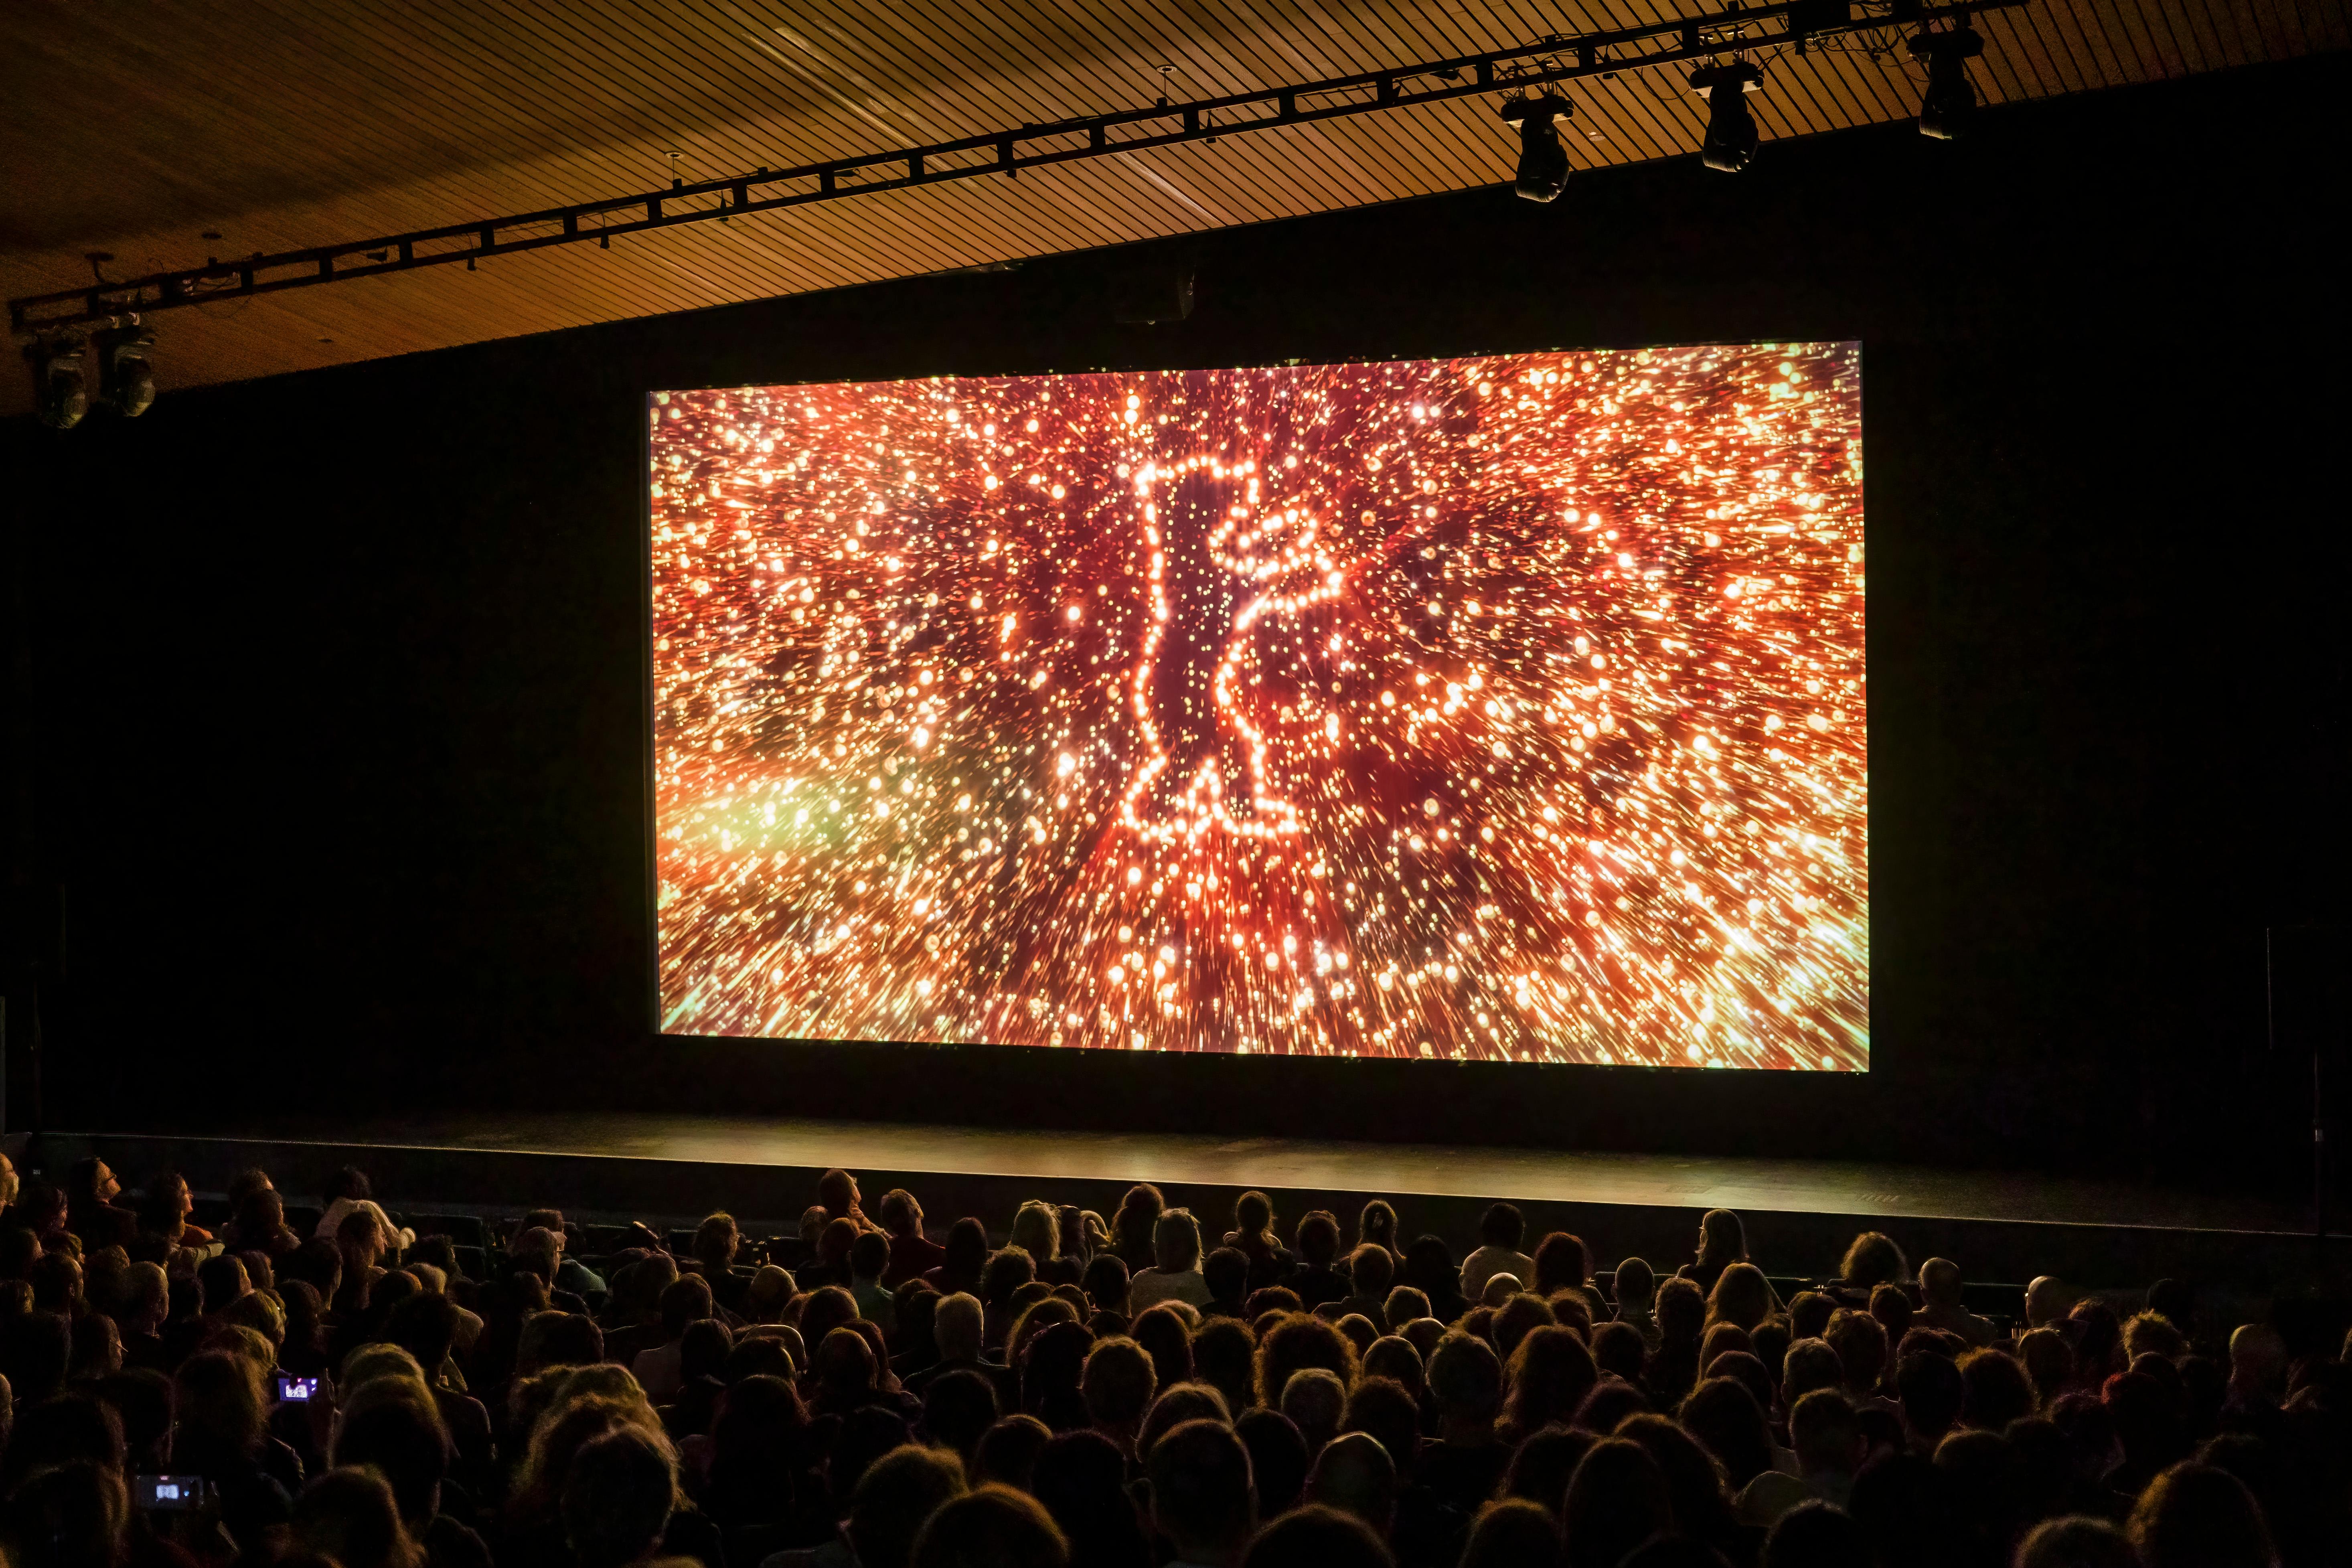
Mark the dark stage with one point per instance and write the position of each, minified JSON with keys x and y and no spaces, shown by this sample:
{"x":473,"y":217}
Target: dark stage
{"x":2006,"y":1226}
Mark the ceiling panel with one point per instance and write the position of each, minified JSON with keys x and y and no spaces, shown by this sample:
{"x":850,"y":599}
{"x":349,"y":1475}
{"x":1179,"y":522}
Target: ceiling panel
{"x":277,"y":124}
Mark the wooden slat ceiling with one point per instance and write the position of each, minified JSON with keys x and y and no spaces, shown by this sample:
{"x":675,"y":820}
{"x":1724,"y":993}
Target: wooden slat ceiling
{"x":281,"y":123}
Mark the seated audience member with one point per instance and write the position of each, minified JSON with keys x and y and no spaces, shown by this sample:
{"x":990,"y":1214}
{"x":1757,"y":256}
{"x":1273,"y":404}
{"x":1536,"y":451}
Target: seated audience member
{"x":1940,"y":1308}
{"x":1500,"y":1231}
{"x":348,"y":1517}
{"x":1278,"y":1455}
{"x":896,"y":1497}
{"x":1871,"y":1261}
{"x":1225,"y":1273}
{"x":146,"y":1300}
{"x":992,"y":1527}
{"x":1930,"y":1390}
{"x":2195,"y":1516}
{"x":1547,"y":1377}
{"x":1165,"y":1333}
{"x":1270,"y":1262}
{"x":869,"y":1260}
{"x":836,"y":1194}
{"x":1203,"y":1503}
{"x":1618,"y":1351}
{"x":571,"y":1274}
{"x":1562,"y":1263}
{"x":163,"y":1209}
{"x":1861,"y":1346}
{"x":2047,"y":1301}
{"x":2076,"y":1540}
{"x":686,"y":1300}
{"x":257,"y":1224}
{"x":2049,"y":1362}
{"x":716,"y":1241}
{"x":1462,"y":1465}
{"x":959,"y":1409}
{"x":1809,"y":1313}
{"x":221,"y":1435}
{"x":1829,"y":1450}
{"x":1428,"y":1266}
{"x":1295,"y":1343}
{"x":912,"y":1254}
{"x":1742,"y":1298}
{"x":92,"y":1214}
{"x":619,"y":1496}
{"x":1313,"y":1400}
{"x":2258,"y":1364}
{"x":1406,"y":1304}
{"x":1673,"y":1365}
{"x":959,"y":1330}
{"x":1810,"y":1365}
{"x":1133,"y":1225}
{"x":1616,"y":1500}
{"x":1225,"y":1356}
{"x":1354,"y":1474}
{"x":1175,"y":1271}
{"x":1512,"y":1533}
{"x":1118,"y":1386}
{"x":965,"y":1259}
{"x":392,"y":1428}
{"x":1995,"y":1391}
{"x":1635,"y":1288}
{"x":1370,"y":1270}
{"x":1318,"y":1537}
{"x":1174,"y":1406}
{"x":1891,"y":1305}
{"x":1724,"y":1415}
{"x":1316,"y":1241}
{"x":1105,"y":1285}
{"x":1722,"y":1242}
{"x":1038,"y":1231}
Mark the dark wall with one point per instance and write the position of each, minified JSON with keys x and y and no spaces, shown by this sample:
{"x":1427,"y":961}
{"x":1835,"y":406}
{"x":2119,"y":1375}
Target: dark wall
{"x":326,"y":717}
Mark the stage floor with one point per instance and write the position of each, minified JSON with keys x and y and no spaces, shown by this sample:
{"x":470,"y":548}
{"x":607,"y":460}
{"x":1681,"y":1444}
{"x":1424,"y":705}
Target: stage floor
{"x":1861,"y":1191}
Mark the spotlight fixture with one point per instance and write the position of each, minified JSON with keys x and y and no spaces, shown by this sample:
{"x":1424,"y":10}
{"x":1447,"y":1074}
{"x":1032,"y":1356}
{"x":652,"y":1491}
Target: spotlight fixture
{"x":61,"y":395}
{"x":126,"y":375}
{"x":1950,"y":104}
{"x":1731,"y":129}
{"x":1543,"y":161}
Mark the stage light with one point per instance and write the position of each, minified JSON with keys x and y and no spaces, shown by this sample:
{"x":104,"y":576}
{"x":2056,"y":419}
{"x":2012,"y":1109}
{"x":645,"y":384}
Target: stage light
{"x":1731,"y":129}
{"x":61,"y":395}
{"x":1543,"y":161}
{"x":126,"y":376}
{"x":1951,"y":103}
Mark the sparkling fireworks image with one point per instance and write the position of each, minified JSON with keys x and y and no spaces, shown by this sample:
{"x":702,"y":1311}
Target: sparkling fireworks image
{"x":1504,"y":708}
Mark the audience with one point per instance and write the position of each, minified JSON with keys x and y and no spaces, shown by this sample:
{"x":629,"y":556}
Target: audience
{"x":1107,"y":1394}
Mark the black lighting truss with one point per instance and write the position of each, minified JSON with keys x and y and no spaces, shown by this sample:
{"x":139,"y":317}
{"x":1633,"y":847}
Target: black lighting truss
{"x":1788,"y":23}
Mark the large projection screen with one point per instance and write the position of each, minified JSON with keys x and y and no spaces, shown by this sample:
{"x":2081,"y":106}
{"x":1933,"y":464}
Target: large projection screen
{"x":1502,"y":709}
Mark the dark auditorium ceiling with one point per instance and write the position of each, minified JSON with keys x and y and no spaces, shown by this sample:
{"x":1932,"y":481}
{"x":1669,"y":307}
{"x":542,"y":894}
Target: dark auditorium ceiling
{"x":277,"y":124}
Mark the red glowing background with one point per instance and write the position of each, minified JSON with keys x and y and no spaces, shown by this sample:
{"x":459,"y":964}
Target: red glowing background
{"x":1502,"y":709}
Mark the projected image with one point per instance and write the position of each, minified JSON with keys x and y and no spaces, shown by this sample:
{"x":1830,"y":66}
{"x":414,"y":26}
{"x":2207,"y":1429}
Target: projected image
{"x":1508,"y":709}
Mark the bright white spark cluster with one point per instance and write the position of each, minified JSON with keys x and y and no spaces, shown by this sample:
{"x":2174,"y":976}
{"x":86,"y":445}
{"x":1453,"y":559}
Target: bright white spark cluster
{"x":1501,"y":709}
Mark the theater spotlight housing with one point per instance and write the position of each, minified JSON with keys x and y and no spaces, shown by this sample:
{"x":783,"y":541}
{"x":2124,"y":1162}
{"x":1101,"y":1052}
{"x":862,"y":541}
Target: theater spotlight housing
{"x":126,"y":376}
{"x":1731,"y":129}
{"x":1543,"y":161}
{"x":60,"y":394}
{"x":1951,"y":103}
